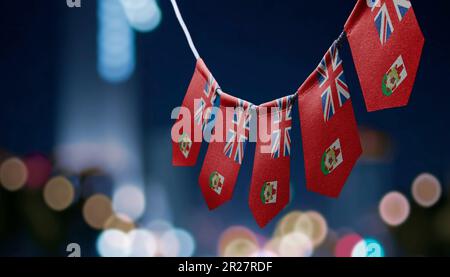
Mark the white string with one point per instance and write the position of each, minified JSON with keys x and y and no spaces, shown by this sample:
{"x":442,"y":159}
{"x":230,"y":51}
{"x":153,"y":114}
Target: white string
{"x":185,"y":29}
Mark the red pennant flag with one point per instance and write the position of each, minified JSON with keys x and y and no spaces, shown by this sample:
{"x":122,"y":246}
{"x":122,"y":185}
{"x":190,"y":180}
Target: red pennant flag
{"x":226,"y":150}
{"x":331,"y":143}
{"x":386,"y":44}
{"x":269,"y":189}
{"x":187,"y":131}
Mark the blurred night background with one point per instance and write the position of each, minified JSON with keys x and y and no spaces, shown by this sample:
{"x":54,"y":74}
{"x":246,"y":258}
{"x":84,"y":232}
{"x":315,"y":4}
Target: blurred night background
{"x":85,"y":150}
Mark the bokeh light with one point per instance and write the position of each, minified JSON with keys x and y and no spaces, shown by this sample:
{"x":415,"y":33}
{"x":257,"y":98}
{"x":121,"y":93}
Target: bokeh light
{"x":177,"y":243}
{"x":13,"y":174}
{"x":187,"y":243}
{"x":113,"y":243}
{"x":233,"y":233}
{"x":264,"y":254}
{"x":426,"y":190}
{"x":296,"y":244}
{"x":80,"y":155}
{"x":272,"y":246}
{"x":376,"y":145}
{"x":59,"y":193}
{"x":344,"y":246}
{"x":169,"y":246}
{"x":39,"y":170}
{"x":143,"y":243}
{"x":304,"y":225}
{"x":310,"y":223}
{"x":97,"y":210}
{"x":319,"y":227}
{"x":142,"y":15}
{"x":240,"y":247}
{"x":120,"y":222}
{"x":116,"y":45}
{"x":394,"y":208}
{"x":159,"y":226}
{"x":287,"y":223}
{"x":129,"y":200}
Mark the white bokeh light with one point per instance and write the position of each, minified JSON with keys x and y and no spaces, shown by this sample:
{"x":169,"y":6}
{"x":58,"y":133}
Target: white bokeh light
{"x":169,"y":245}
{"x":129,"y":200}
{"x":113,"y":243}
{"x":142,"y":15}
{"x":115,"y":41}
{"x":295,"y":244}
{"x":142,"y":243}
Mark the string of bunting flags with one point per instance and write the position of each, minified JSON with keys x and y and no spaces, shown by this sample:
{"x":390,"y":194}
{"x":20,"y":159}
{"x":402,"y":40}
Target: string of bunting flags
{"x":386,"y":45}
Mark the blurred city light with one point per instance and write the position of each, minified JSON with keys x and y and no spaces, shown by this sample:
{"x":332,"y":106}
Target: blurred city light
{"x":240,"y":247}
{"x":82,"y":155}
{"x":142,"y":15}
{"x":13,"y":174}
{"x":39,"y":169}
{"x":233,"y":233}
{"x":177,"y":243}
{"x":159,"y":227}
{"x":59,"y":193}
{"x":264,"y":254}
{"x":344,"y":246}
{"x":120,"y":222}
{"x":426,"y":190}
{"x":129,"y":200}
{"x":272,"y":246}
{"x":98,"y":126}
{"x":310,"y":223}
{"x":394,"y":208}
{"x":376,"y":145}
{"x":304,"y":225}
{"x":113,"y":243}
{"x":143,"y":243}
{"x":97,"y":210}
{"x":169,"y":245}
{"x":116,"y":45}
{"x":295,"y":244}
{"x":287,"y":223}
{"x":319,"y":227}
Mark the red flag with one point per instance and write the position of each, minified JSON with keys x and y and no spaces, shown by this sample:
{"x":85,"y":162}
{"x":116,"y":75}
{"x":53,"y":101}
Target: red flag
{"x":200,"y":97}
{"x":225,"y":151}
{"x":386,"y":44}
{"x":331,"y":143}
{"x":269,"y":189}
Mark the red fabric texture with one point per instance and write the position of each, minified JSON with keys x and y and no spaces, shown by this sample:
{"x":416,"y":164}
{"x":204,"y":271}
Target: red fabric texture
{"x":373,"y":57}
{"x":319,"y":134}
{"x":201,"y":88}
{"x":271,"y":165}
